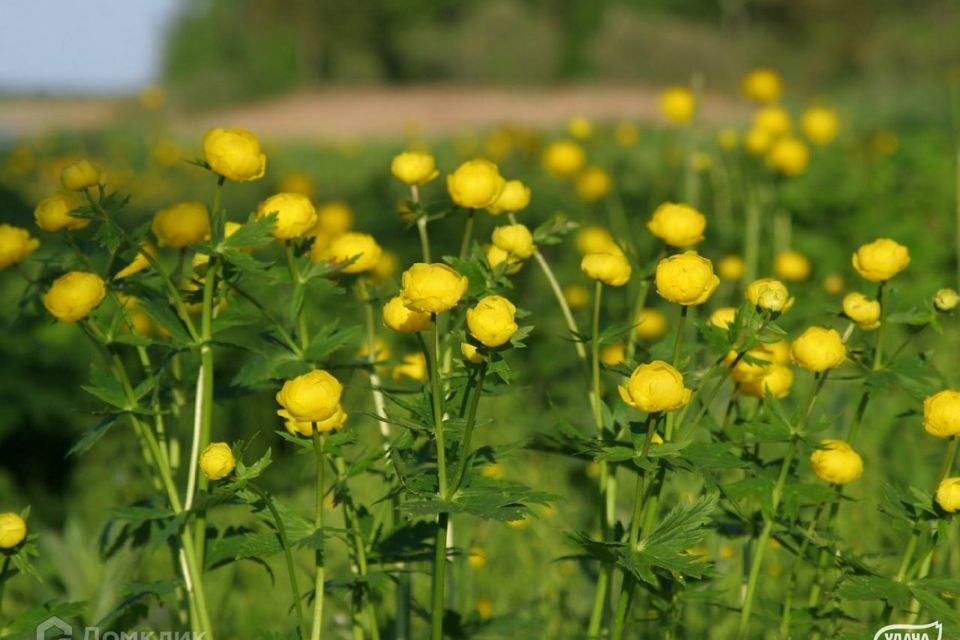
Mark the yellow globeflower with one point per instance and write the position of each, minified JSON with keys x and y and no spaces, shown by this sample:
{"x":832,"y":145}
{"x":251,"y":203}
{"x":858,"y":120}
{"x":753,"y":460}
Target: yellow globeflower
{"x":414,"y":366}
{"x":686,"y":278}
{"x":74,"y":295}
{"x":727,"y":139}
{"x":772,"y":119}
{"x":580,"y":127}
{"x":15,"y":245}
{"x":762,"y":85}
{"x":470,"y":353}
{"x":295,"y":214}
{"x":731,"y":268}
{"x":863,"y":311}
{"x":398,"y":317}
{"x":836,"y":462}
{"x":779,"y":351}
{"x":678,"y":225}
{"x":564,"y":158}
{"x":234,"y":154}
{"x":678,"y":104}
{"x":515,"y":239}
{"x":722,"y":317}
{"x":386,"y":266}
{"x":596,"y":240}
{"x":140,"y":262}
{"x":776,"y":380}
{"x":333,"y":218}
{"x":655,"y":386}
{"x":476,"y":184}
{"x":789,"y":156}
{"x":576,"y":295}
{"x":948,"y":494}
{"x":769,"y":294}
{"x":53,"y":214}
{"x":880,"y":260}
{"x":609,"y":268}
{"x":941,"y":414}
{"x":593,"y":184}
{"x":80,"y":176}
{"x":757,"y":141}
{"x":485,"y":606}
{"x":651,"y":324}
{"x":181,"y":225}
{"x":820,"y":125}
{"x":492,"y":321}
{"x":296,"y":428}
{"x":298,"y":182}
{"x":359,"y":247}
{"x":414,"y":167}
{"x":217,"y":461}
{"x":13,"y":530}
{"x":792,"y":266}
{"x":833,"y":284}
{"x":432,"y":288}
{"x":743,"y":370}
{"x":312,"y":397}
{"x":497,"y":256}
{"x":613,"y":354}
{"x":514,"y":197}
{"x":946,"y":300}
{"x":818,"y":349}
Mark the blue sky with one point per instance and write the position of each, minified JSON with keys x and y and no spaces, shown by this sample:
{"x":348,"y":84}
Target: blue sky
{"x":83,"y":46}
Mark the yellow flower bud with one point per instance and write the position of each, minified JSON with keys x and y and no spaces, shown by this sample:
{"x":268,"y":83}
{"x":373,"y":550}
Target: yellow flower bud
{"x":863,"y":311}
{"x":564,"y":158}
{"x":769,"y":295}
{"x":492,"y":321}
{"x":727,"y":139}
{"x":818,"y":349}
{"x":789,"y":156}
{"x":234,"y":154}
{"x":13,"y":530}
{"x":398,"y":317}
{"x":80,"y":176}
{"x":593,"y":184}
{"x":515,"y":239}
{"x":476,"y":184}
{"x":948,"y":495}
{"x":74,"y":295}
{"x":762,"y":85}
{"x":820,"y":125}
{"x":296,"y":216}
{"x":181,"y":225}
{"x":776,"y":379}
{"x":139,"y":263}
{"x":651,"y":324}
{"x":497,"y":256}
{"x":298,"y":182}
{"x":414,"y":167}
{"x":476,"y":557}
{"x":595,"y":240}
{"x":792,"y":266}
{"x":217,"y":461}
{"x":514,"y":197}
{"x":470,"y":353}
{"x":744,"y":370}
{"x":613,"y":354}
{"x":297,"y":428}
{"x":677,"y":105}
{"x":757,"y":141}
{"x":678,"y":225}
{"x":779,"y":351}
{"x":941,"y":414}
{"x":686,"y":278}
{"x":731,"y":268}
{"x":386,"y":266}
{"x":576,"y":295}
{"x":15,"y":245}
{"x":836,"y":462}
{"x":414,"y":366}
{"x":612,"y":269}
{"x":432,"y":288}
{"x":722,"y":317}
{"x":833,"y":284}
{"x":946,"y":300}
{"x":312,"y":397}
{"x":772,"y":119}
{"x":580,"y":127}
{"x":655,"y":386}
{"x":359,"y":247}
{"x":333,"y":218}
{"x":53,"y":214}
{"x":880,"y":260}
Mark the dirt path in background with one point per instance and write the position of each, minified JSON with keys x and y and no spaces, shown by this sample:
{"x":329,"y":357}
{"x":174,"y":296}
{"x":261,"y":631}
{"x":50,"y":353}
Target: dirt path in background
{"x":376,"y":112}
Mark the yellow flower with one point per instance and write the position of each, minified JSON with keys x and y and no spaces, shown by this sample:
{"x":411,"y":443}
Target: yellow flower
{"x":74,"y":295}
{"x":727,"y":139}
{"x":818,"y":349}
{"x":476,"y":557}
{"x":514,"y":197}
{"x":820,"y":125}
{"x":296,"y":428}
{"x":386,"y":266}
{"x":142,"y":324}
{"x":312,"y":397}
{"x":593,"y":184}
{"x":757,"y":141}
{"x":234,"y":154}
{"x":731,"y":268}
{"x":948,"y":495}
{"x":15,"y":245}
{"x":762,"y":85}
{"x":626,"y":134}
{"x":13,"y":530}
{"x":476,"y":184}
{"x":722,"y":317}
{"x":398,"y":317}
{"x":295,"y":214}
{"x":613,"y":354}
{"x":515,"y":239}
{"x":580,"y":127}
{"x":381,"y":350}
{"x":140,"y":262}
{"x":655,"y":386}
{"x":776,"y":379}
{"x":596,"y":240}
{"x":470,"y":353}
{"x":880,"y":260}
{"x":492,"y":321}
{"x":181,"y":225}
{"x":789,"y":156}
{"x":770,"y":295}
{"x":833,"y":284}
{"x":497,"y":256}
{"x":686,"y":278}
{"x":564,"y":158}
{"x":863,"y":311}
{"x":609,"y":268}
{"x":946,"y":300}
{"x":298,"y":182}
{"x":792,"y":266}
{"x":414,"y":366}
{"x":576,"y":295}
{"x":746,"y":371}
{"x":678,"y":225}
{"x":484,"y":607}
{"x":772,"y":119}
{"x":941,"y":414}
{"x":414,"y":167}
{"x":359,"y":247}
{"x":836,"y":462}
{"x":779,"y":351}
{"x":432,"y":288}
{"x":53,"y":214}
{"x":677,"y":104}
{"x":651,"y":324}
{"x":333,"y":218}
{"x":217,"y":461}
{"x":80,"y":176}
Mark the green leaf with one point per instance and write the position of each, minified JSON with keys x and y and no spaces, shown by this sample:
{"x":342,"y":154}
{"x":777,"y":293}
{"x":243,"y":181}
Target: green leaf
{"x":255,"y":232}
{"x":859,"y":587}
{"x":105,"y":387}
{"x":93,"y":436}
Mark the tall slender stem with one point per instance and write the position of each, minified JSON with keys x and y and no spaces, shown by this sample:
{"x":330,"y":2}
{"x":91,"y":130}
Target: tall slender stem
{"x":421,"y":224}
{"x":317,"y":627}
{"x":678,"y":341}
{"x":443,"y":519}
{"x":878,"y":353}
{"x":467,"y":234}
{"x":468,"y":429}
{"x":3,"y":583}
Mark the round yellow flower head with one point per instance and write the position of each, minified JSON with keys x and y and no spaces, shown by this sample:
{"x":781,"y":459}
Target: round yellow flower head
{"x":731,"y":268}
{"x":762,"y":85}
{"x":312,"y":397}
{"x":580,"y":127}
{"x":779,"y":351}
{"x":80,"y":176}
{"x":880,"y":260}
{"x":727,"y":139}
{"x":497,"y":256}
{"x":946,"y":300}
{"x":655,"y":386}
{"x":15,"y":245}
{"x":140,"y":262}
{"x":53,"y":214}
{"x":593,"y":184}
{"x":686,"y":278}
{"x":862,"y":310}
{"x":181,"y":225}
{"x":414,"y":167}
{"x":595,"y":240}
{"x":948,"y":494}
{"x":386,"y":266}
{"x":941,"y":414}
{"x":217,"y":461}
{"x":470,"y":353}
{"x":359,"y":247}
{"x":514,"y":197}
{"x":651,"y":324}
{"x":820,"y":125}
{"x":564,"y":158}
{"x":432,"y":288}
{"x":757,"y":141}
{"x":818,"y":349}
{"x":609,"y":268}
{"x":74,"y":295}
{"x":234,"y":154}
{"x":772,"y":119}
{"x":515,"y":239}
{"x":333,"y":218}
{"x":414,"y":366}
{"x":613,"y":354}
{"x":769,"y":294}
{"x":576,"y":295}
{"x":836,"y":462}
{"x":792,"y":266}
{"x":722,"y":317}
{"x":492,"y":321}
{"x":298,"y":182}
{"x":742,"y":370}
{"x":678,"y":225}
{"x":776,"y":379}
{"x":476,"y":184}
{"x":13,"y":530}
{"x":399,"y":318}
{"x":678,"y":105}
{"x":296,"y":428}
{"x":295,"y":214}
{"x":789,"y":156}
{"x":626,"y":134}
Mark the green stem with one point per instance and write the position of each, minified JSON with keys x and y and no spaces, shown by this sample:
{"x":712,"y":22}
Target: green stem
{"x":205,"y":391}
{"x":422,"y":222}
{"x":443,"y":519}
{"x":467,"y":235}
{"x":317,"y":627}
{"x":878,"y":353}
{"x":3,"y":584}
{"x":439,"y":576}
{"x":794,"y":571}
{"x":468,"y":430}
{"x":297,"y":283}
{"x":678,"y":341}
